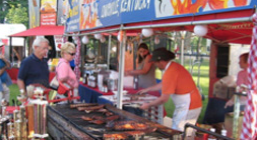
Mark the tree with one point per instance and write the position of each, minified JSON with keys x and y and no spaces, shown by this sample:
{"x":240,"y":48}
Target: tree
{"x":17,"y":15}
{"x":22,"y":12}
{"x":3,"y":10}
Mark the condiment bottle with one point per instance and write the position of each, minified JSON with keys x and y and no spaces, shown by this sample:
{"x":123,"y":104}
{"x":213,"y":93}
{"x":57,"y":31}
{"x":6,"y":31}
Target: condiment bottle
{"x":211,"y":137}
{"x":85,"y":78}
{"x":224,"y":132}
{"x":136,"y":82}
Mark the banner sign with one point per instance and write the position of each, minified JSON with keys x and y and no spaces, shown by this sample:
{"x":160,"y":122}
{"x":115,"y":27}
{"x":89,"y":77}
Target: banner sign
{"x":34,"y":13}
{"x":48,"y":19}
{"x":73,"y":16}
{"x":48,"y":12}
{"x":58,"y":39}
{"x":62,"y":12}
{"x":103,"y":13}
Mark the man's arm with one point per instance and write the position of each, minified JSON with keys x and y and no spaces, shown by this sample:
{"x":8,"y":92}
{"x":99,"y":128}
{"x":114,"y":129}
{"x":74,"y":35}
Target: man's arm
{"x":161,"y":100}
{"x":6,"y":61}
{"x":155,"y":87}
{"x":2,"y":70}
{"x":7,"y":64}
{"x":21,"y":84}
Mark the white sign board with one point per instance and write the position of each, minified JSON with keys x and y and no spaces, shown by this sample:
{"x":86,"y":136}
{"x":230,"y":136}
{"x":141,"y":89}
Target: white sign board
{"x":10,"y":29}
{"x":58,"y":39}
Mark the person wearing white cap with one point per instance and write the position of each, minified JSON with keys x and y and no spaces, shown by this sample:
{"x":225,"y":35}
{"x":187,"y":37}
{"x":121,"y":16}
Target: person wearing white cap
{"x":5,"y":79}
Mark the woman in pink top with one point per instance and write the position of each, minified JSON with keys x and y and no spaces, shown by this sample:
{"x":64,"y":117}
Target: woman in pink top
{"x":64,"y":72}
{"x":242,"y":80}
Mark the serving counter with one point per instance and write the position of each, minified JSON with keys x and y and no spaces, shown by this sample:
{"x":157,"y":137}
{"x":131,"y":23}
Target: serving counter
{"x":91,"y":95}
{"x":94,"y":95}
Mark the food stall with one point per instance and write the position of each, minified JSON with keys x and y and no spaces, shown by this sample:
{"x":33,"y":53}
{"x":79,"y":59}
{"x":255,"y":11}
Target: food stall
{"x":221,"y":21}
{"x":124,"y":17}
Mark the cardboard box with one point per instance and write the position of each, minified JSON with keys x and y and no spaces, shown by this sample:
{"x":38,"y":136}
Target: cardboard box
{"x":223,"y":91}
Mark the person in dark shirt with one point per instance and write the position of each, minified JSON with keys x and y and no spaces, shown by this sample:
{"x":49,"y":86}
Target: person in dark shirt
{"x":34,"y":69}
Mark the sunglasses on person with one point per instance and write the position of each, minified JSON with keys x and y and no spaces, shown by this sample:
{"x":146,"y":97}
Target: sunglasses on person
{"x":72,"y":54}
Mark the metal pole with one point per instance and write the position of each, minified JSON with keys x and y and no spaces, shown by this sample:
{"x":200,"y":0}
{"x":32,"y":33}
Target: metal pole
{"x":121,"y":69}
{"x":25,"y":48}
{"x":182,"y":50}
{"x":82,"y":58}
{"x":108,"y":51}
{"x":236,"y":116}
{"x":10,"y":50}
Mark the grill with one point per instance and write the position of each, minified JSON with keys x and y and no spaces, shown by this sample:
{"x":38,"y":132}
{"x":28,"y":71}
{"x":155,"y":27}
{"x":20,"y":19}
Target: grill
{"x":66,"y":123}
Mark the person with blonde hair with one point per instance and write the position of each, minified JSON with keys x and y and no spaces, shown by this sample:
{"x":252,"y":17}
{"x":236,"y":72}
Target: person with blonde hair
{"x":64,"y":72}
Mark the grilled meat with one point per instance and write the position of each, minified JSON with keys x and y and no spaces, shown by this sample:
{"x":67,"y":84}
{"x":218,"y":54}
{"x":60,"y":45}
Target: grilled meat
{"x":123,"y":135}
{"x":102,"y":110}
{"x":108,"y":113}
{"x":98,"y":122}
{"x":96,"y":117}
{"x":91,"y":108}
{"x":86,"y":118}
{"x":111,"y":118}
{"x":82,"y":105}
{"x":126,"y":125}
{"x":117,"y":136}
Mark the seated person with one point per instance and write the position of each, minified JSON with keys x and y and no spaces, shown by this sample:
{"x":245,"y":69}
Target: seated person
{"x":241,"y":80}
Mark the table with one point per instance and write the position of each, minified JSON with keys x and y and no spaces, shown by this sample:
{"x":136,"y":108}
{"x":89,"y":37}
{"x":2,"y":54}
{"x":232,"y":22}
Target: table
{"x":90,"y":95}
{"x":132,"y":104}
{"x":93,"y":95}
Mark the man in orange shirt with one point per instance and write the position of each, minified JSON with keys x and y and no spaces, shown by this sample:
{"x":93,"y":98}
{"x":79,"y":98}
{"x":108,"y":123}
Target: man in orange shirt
{"x":177,"y":84}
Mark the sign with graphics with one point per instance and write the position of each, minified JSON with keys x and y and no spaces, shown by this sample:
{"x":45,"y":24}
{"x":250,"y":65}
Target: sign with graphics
{"x":73,"y":16}
{"x":34,"y":13}
{"x":48,"y":12}
{"x":58,"y":39}
{"x":91,"y":14}
{"x":48,"y":19}
{"x":167,"y":8}
{"x":62,"y":12}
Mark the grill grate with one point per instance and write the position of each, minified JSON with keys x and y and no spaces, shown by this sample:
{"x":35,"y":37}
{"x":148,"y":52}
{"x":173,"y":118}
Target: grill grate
{"x":70,"y":121}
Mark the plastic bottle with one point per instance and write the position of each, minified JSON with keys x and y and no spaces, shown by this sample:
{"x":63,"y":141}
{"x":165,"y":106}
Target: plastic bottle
{"x":205,"y":136}
{"x":85,"y":78}
{"x":21,"y":97}
{"x":224,"y":132}
{"x":22,"y":92}
{"x":211,"y":137}
{"x":136,"y":82}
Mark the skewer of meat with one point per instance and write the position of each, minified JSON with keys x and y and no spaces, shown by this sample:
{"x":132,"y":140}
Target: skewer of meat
{"x":86,"y":118}
{"x":108,"y":113}
{"x":116,"y":136}
{"x":123,"y":135}
{"x":98,"y":122}
{"x":82,"y":105}
{"x":90,"y":108}
{"x":126,"y":126}
{"x":111,"y":118}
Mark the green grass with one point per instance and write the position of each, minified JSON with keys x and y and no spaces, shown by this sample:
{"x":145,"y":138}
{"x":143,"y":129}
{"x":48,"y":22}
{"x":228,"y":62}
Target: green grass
{"x":14,"y":92}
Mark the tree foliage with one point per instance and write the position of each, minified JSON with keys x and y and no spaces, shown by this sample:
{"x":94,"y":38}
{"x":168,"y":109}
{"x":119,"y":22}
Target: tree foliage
{"x":14,"y":11}
{"x":17,"y":15}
